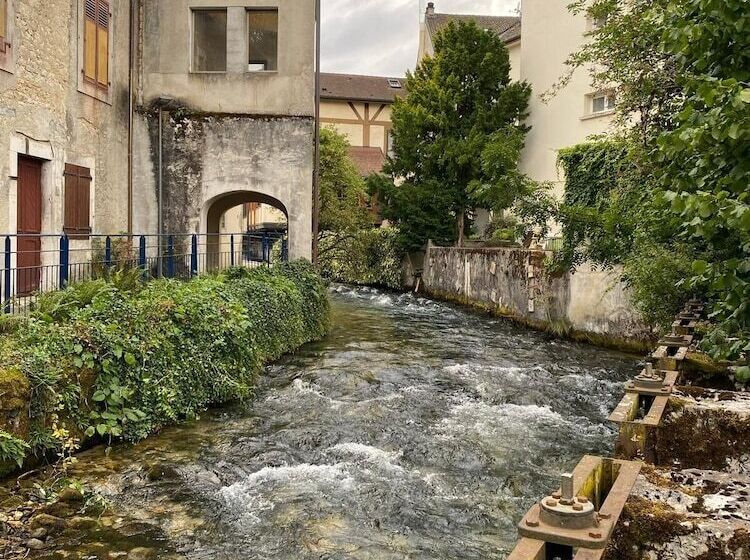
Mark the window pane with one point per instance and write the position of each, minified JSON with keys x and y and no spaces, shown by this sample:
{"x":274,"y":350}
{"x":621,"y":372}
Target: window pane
{"x":210,"y":41}
{"x":598,"y":104}
{"x":263,"y":40}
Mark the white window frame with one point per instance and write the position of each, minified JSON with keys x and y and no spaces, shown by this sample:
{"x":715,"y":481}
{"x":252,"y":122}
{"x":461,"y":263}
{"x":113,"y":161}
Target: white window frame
{"x":610,"y":103}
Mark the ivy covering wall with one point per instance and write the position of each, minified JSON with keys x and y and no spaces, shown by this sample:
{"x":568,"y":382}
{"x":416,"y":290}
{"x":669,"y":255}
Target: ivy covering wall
{"x":116,"y":360}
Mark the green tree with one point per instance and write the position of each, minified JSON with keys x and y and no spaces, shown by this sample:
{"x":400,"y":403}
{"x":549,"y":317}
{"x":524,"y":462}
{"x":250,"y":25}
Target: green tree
{"x":705,"y":159}
{"x":343,"y":194}
{"x":457,"y":137}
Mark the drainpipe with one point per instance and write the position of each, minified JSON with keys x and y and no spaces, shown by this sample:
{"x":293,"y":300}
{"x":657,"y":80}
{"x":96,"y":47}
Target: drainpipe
{"x":160,"y":199}
{"x":131,"y":66}
{"x":316,"y":173}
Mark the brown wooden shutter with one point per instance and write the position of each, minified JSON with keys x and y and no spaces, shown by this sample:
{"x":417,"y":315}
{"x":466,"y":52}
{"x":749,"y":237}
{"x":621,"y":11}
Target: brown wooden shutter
{"x":77,"y":221}
{"x":102,"y":44}
{"x":3,"y":24}
{"x":89,"y":40}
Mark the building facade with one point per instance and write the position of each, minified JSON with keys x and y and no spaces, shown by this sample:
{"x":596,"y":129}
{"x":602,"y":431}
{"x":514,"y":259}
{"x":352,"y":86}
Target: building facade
{"x":153,"y":116}
{"x":359,"y":107}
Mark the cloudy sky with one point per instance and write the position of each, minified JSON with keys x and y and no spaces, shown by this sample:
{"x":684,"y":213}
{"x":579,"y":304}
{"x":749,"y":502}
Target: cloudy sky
{"x":380,"y":37}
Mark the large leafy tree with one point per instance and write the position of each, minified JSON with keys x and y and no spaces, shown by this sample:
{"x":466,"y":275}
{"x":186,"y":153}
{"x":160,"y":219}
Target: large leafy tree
{"x":457,"y":136}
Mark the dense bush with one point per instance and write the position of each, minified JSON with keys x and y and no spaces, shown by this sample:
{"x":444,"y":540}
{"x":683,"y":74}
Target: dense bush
{"x":123,"y":360}
{"x":369,"y":257}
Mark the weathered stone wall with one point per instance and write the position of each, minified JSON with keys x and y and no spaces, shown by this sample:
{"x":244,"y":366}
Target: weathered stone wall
{"x":514,"y":282}
{"x":44,"y":114}
{"x":209,"y":157}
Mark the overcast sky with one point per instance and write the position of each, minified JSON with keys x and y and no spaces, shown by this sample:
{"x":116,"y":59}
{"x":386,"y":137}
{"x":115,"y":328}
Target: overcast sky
{"x":380,"y":37}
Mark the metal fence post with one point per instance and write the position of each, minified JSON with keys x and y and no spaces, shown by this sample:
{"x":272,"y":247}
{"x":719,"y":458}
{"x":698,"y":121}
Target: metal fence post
{"x":6,"y":306}
{"x":142,"y":253}
{"x":64,"y":261}
{"x":108,"y":252}
{"x":194,"y":256}
{"x":231,"y":250}
{"x":285,"y":250}
{"x":170,"y":257}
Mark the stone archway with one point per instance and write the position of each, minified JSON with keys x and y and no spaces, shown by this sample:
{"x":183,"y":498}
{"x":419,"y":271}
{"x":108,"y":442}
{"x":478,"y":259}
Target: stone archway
{"x":218,"y":207}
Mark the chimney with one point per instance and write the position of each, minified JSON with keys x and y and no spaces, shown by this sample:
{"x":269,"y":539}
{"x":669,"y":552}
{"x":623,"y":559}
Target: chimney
{"x":430,"y":9}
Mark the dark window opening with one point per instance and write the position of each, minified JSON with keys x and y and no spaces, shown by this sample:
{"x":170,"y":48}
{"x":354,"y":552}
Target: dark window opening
{"x":263,"y":40}
{"x":210,"y":41}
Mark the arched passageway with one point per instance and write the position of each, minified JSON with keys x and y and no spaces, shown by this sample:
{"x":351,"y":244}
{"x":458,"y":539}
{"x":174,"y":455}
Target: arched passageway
{"x":244,"y":227}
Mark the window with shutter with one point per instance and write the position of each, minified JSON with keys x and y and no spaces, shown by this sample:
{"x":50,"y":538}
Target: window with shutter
{"x":96,"y":43}
{"x":3,"y":25}
{"x":77,"y":211}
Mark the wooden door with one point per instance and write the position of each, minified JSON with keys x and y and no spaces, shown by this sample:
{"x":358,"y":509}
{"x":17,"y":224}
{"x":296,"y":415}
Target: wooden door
{"x":29,"y":244}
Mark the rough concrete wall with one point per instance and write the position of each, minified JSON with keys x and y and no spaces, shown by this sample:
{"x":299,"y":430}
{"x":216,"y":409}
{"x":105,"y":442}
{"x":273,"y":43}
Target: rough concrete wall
{"x":43,"y":114}
{"x":514,"y":281}
{"x":167,"y":60}
{"x":207,"y":157}
{"x":510,"y":279}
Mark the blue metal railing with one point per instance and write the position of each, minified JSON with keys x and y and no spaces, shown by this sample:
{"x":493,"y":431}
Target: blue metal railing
{"x":38,"y":263}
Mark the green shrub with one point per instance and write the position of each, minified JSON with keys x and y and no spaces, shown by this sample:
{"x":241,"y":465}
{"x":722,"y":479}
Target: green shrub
{"x":369,"y":257}
{"x":12,"y":449}
{"x":117,"y":362}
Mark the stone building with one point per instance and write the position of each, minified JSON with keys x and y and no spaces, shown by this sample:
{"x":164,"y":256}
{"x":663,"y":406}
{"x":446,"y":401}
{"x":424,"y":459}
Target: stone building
{"x":148,"y":116}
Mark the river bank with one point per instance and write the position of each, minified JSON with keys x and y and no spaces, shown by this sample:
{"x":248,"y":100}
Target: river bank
{"x":105,"y":361}
{"x":414,"y":429}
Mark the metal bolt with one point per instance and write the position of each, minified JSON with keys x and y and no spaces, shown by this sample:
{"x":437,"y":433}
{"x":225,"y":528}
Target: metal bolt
{"x":583,"y":499}
{"x":531,"y":523}
{"x":551,"y":503}
{"x":567,"y":486}
{"x":577,"y":507}
{"x":649,"y":368}
{"x":595,"y":535}
{"x":556,"y":495}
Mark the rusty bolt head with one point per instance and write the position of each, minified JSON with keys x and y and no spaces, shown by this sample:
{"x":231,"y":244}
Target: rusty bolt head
{"x":583,"y":499}
{"x":577,"y":507}
{"x":595,"y":535}
{"x":604,"y":516}
{"x":551,"y":503}
{"x":532,"y":523}
{"x":556,"y":495}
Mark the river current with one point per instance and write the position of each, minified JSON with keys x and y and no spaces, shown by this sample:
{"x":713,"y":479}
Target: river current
{"x":415,"y":430}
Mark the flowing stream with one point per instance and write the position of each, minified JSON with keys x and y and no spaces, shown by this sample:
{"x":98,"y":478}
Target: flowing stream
{"x":414,"y":430}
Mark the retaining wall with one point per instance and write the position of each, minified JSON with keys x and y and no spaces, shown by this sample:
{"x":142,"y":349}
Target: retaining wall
{"x":514,"y":282}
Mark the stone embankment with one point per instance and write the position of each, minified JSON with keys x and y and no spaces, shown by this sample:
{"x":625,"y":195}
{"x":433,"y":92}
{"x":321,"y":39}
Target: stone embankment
{"x":679,"y":486}
{"x":590,"y":305}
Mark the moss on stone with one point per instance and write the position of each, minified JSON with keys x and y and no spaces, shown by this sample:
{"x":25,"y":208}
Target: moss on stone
{"x":15,"y":393}
{"x":642,"y":525}
{"x":703,"y":439}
